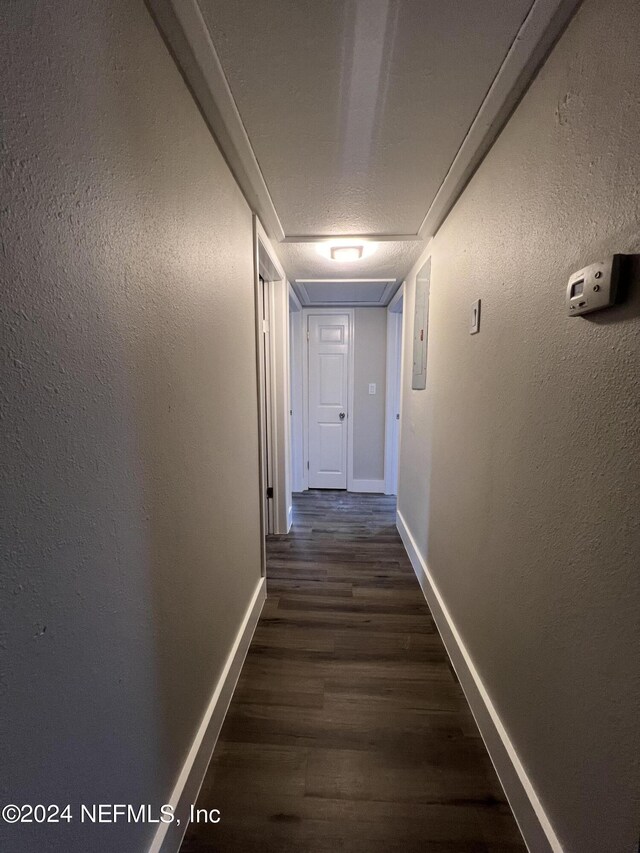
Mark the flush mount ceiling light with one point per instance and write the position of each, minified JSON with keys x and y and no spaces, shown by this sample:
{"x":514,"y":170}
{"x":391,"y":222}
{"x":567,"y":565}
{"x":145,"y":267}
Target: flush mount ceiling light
{"x":346,"y":253}
{"x":346,"y":249}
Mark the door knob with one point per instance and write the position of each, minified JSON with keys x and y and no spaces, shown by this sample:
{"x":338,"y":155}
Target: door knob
{"x":341,"y":416}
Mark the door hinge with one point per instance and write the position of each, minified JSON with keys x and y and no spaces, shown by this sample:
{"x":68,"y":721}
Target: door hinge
{"x":307,"y":334}
{"x":269,"y":491}
{"x":307,"y":464}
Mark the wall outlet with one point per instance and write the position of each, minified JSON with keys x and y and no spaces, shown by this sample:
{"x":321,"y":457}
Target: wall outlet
{"x":372,"y":387}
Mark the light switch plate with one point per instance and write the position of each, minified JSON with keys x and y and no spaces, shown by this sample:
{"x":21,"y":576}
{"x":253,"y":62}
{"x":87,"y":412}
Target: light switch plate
{"x":594,"y":287}
{"x":372,"y":387}
{"x":474,"y":324}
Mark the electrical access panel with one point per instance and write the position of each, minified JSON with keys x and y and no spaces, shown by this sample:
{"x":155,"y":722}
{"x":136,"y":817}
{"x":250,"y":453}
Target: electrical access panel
{"x":594,"y":287}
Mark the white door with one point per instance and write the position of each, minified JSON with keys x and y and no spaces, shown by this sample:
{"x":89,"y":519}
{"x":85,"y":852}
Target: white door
{"x":328,"y":341}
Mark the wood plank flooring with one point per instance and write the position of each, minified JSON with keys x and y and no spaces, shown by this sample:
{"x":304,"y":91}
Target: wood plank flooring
{"x":348,"y":730}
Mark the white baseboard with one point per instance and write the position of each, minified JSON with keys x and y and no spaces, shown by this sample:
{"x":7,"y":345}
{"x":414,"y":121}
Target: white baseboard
{"x":534,"y":824}
{"x":168,"y":837}
{"x":367,"y":486}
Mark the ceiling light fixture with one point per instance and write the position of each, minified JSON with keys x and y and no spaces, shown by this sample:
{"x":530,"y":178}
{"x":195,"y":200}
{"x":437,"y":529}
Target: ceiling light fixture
{"x":346,"y":253}
{"x":346,"y":249}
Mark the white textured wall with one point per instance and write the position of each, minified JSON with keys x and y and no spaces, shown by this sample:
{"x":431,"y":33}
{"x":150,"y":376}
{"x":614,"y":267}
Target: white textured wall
{"x":129,"y":448}
{"x":520,"y":468}
{"x":370,"y":353}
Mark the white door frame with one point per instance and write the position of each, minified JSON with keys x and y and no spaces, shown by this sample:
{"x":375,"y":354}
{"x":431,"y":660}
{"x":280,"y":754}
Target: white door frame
{"x":297,"y":398}
{"x":265,"y":310}
{"x":274,"y":436}
{"x":393,"y":398}
{"x":305,"y":389}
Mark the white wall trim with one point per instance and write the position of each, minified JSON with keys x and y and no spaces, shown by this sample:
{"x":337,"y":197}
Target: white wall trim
{"x":168,"y":837}
{"x":376,"y":486}
{"x":529,"y":813}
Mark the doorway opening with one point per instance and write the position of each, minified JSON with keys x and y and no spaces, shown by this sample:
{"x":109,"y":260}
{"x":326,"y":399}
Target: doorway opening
{"x":272,"y":356}
{"x":345,"y":396}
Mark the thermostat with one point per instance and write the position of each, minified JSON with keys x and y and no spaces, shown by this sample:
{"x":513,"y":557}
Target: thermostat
{"x":594,"y":287}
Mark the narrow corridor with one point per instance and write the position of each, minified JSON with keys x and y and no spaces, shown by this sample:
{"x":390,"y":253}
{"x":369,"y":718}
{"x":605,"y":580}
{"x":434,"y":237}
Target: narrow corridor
{"x":348,"y":730}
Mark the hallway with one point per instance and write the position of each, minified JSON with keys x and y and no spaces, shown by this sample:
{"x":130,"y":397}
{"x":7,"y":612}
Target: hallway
{"x":348,"y":730}
{"x":320,"y":426}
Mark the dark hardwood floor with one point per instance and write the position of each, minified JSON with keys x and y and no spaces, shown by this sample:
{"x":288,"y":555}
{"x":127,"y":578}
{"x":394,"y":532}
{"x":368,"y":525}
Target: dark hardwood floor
{"x":348,"y":730}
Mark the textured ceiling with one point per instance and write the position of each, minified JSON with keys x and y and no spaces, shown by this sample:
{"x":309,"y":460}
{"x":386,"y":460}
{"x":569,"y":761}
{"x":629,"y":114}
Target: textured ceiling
{"x":355,"y":109}
{"x":391,"y":260}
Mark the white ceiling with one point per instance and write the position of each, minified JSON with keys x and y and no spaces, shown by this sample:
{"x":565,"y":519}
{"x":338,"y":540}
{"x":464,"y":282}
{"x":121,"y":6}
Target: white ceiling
{"x":356,"y":118}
